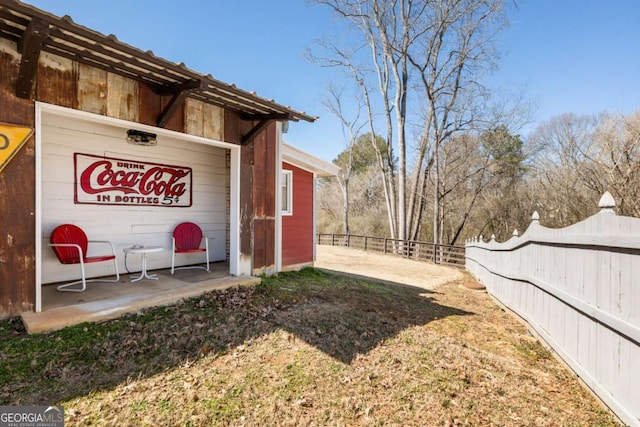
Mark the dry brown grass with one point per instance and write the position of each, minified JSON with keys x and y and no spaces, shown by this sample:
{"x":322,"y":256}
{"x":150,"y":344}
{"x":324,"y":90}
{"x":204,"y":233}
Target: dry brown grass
{"x":308,"y":348}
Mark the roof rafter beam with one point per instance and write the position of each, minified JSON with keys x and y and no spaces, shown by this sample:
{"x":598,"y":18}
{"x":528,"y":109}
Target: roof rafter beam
{"x":30,"y":45}
{"x":180,"y":92}
{"x":259,"y":127}
{"x":263,"y":122}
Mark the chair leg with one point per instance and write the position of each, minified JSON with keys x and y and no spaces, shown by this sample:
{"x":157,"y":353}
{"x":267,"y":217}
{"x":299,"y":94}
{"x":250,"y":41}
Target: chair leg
{"x":173,"y":254}
{"x":206,"y":245}
{"x":66,"y":287}
{"x":191,"y":267}
{"x":115,"y":264}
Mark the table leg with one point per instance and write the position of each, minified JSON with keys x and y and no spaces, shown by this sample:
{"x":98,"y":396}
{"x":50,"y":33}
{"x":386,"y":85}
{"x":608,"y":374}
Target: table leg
{"x":143,"y":273}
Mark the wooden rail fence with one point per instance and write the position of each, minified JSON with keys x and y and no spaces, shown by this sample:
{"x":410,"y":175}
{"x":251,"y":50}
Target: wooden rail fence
{"x":579,"y":288}
{"x":412,"y":249}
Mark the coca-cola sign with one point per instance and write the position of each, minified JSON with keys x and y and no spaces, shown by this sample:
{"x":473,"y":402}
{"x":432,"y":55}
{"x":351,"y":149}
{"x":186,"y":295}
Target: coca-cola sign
{"x":107,"y":181}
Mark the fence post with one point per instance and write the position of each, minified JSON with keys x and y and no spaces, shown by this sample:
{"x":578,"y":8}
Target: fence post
{"x":403,"y":248}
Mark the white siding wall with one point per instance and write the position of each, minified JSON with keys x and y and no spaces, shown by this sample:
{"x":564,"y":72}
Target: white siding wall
{"x":579,"y":289}
{"x":127,"y":225}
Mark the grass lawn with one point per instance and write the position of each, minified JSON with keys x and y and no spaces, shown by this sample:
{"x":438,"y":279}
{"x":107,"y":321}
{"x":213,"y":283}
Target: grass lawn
{"x":305,"y":348}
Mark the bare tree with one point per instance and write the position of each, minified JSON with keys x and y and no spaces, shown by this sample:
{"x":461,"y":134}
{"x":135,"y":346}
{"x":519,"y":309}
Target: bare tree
{"x":465,"y":171}
{"x":561,"y":167}
{"x":351,"y":126}
{"x":452,"y":54}
{"x":572,"y":160}
{"x":329,"y":209}
{"x":617,"y":161}
{"x":337,"y":54}
{"x":441,"y":47}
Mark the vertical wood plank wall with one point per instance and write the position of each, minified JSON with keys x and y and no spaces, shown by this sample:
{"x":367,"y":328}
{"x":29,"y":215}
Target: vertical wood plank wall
{"x":264,"y":220}
{"x":579,"y":288}
{"x":17,"y":183}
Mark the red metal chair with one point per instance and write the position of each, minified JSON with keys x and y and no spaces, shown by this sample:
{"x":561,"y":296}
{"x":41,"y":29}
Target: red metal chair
{"x":187,"y":238}
{"x":70,"y":244}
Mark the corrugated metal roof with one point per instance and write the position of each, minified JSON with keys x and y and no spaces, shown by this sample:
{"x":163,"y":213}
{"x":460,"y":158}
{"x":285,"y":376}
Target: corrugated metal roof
{"x":81,"y":44}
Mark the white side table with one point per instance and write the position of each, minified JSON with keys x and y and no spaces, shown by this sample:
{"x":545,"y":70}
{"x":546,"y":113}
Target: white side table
{"x":144,"y":250}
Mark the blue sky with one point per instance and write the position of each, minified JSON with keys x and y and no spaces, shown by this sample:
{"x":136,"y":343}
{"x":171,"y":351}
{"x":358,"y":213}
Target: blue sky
{"x":580,"y":56}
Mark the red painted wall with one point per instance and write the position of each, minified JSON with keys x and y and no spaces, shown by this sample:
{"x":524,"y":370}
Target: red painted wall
{"x":297,"y":229}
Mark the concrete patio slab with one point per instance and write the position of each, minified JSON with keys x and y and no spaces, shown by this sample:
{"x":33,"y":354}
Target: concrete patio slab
{"x":104,"y":301}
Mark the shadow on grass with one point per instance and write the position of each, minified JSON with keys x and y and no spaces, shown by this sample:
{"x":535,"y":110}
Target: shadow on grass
{"x":340,"y":315}
{"x":356,"y":315}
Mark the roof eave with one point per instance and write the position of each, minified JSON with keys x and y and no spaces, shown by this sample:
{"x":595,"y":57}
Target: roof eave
{"x":309,"y":162}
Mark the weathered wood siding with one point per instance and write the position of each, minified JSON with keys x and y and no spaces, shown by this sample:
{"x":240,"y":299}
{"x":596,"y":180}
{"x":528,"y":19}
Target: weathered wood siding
{"x":57,"y":81}
{"x":578,"y":288}
{"x":297,"y":229}
{"x":257,"y":192}
{"x":17,"y":204}
{"x":63,"y":82}
{"x":264,"y":181}
{"x":127,"y":225}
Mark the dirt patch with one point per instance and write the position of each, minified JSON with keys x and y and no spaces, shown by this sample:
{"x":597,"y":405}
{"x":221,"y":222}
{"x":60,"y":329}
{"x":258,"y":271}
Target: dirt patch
{"x":384,"y":267}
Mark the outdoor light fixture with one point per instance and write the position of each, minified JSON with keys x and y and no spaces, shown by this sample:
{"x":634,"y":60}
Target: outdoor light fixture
{"x":138,"y":137}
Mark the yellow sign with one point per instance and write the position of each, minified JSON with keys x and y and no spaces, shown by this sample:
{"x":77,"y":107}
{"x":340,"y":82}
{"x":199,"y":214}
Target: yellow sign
{"x":12,"y":138}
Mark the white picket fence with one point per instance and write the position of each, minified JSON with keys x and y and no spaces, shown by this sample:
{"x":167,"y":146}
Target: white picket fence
{"x":579,"y":288}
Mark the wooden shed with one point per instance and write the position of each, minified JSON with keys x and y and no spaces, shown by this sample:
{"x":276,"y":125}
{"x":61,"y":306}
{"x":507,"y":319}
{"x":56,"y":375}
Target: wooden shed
{"x":70,"y":101}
